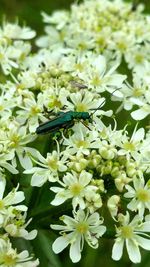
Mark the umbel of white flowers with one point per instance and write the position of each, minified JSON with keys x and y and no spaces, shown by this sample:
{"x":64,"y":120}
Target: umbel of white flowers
{"x":96,"y":52}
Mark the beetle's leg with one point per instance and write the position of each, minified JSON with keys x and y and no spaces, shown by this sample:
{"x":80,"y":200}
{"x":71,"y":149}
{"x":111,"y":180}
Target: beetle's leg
{"x":85,"y":125}
{"x":59,"y":113}
{"x":46,"y":112}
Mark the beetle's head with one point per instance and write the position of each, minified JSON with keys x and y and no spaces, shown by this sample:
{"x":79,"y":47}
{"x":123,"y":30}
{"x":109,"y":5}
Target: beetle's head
{"x":85,"y":116}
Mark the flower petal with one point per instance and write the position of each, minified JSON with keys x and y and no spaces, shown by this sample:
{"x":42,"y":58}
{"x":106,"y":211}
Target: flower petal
{"x":117,"y":249}
{"x":60,"y":244}
{"x":133,"y":251}
{"x":143,"y":242}
{"x":75,"y":253}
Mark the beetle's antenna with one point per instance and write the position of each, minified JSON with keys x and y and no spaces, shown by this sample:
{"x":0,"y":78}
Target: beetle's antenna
{"x":103,"y":102}
{"x":95,"y":109}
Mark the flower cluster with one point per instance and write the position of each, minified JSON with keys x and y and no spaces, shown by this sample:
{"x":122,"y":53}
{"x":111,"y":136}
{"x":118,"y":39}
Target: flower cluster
{"x":97,"y":51}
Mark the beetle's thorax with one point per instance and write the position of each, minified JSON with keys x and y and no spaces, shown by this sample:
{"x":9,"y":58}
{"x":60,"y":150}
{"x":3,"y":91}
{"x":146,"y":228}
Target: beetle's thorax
{"x":80,"y":115}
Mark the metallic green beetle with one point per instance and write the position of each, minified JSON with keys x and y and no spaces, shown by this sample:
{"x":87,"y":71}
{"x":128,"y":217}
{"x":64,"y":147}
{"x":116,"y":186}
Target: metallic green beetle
{"x":64,"y":120}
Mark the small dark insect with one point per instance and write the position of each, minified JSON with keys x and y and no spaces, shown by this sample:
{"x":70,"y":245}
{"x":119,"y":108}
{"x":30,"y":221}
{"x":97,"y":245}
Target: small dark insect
{"x":78,"y":85}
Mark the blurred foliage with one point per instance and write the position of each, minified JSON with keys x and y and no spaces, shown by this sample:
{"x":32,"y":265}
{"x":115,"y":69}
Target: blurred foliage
{"x":28,"y":11}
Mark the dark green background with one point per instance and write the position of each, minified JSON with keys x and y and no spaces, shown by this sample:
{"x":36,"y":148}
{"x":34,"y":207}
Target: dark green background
{"x":29,"y":11}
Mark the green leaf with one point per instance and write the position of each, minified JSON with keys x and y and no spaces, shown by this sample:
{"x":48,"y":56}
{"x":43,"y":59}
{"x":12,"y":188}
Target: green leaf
{"x":43,"y":249}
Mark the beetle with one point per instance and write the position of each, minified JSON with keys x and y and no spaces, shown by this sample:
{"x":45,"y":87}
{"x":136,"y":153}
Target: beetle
{"x":63,"y":120}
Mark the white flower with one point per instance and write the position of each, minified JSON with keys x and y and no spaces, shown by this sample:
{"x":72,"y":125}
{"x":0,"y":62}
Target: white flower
{"x":31,"y":112}
{"x":84,"y":102}
{"x":4,"y":157}
{"x":136,"y":57}
{"x":5,"y":61}
{"x":98,"y":78}
{"x":10,"y":257}
{"x":8,"y":203}
{"x":81,"y":141}
{"x":55,"y":98}
{"x":14,"y":31}
{"x":132,"y":147}
{"x":133,"y":235}
{"x":49,"y":168}
{"x":15,"y":226}
{"x":18,"y":138}
{"x":75,"y":187}
{"x":59,"y":18}
{"x":140,"y":195}
{"x":52,"y":39}
{"x":76,"y":230}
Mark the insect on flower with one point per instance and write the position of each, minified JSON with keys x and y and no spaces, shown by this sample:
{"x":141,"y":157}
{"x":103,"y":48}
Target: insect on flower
{"x":65,"y":120}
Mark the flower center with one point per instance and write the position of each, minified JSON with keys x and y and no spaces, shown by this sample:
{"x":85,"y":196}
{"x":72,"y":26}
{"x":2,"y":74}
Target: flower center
{"x":82,"y":227}
{"x":9,"y":260}
{"x":76,"y":189}
{"x":55,"y":103}
{"x":15,"y":140}
{"x":34,"y":110}
{"x":137,"y":92}
{"x":122,"y":46}
{"x":82,"y":143}
{"x":52,"y":163}
{"x":143,"y":195}
{"x":79,"y":67}
{"x":127,"y":231}
{"x":81,"y":107}
{"x":96,"y":81}
{"x":129,"y":146}
{"x":139,"y":58}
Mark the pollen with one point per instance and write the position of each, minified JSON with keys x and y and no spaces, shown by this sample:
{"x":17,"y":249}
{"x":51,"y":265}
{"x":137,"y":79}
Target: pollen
{"x":55,"y":103}
{"x":127,"y":231}
{"x":137,"y":92}
{"x":82,"y":143}
{"x":129,"y":146}
{"x":9,"y":260}
{"x":122,"y":46}
{"x":76,"y":189}
{"x":139,"y":58}
{"x":15,"y":140}
{"x":79,"y":67}
{"x":82,"y":227}
{"x":143,"y":195}
{"x":52,"y":163}
{"x":20,"y":86}
{"x":96,"y":81}
{"x":81,"y":107}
